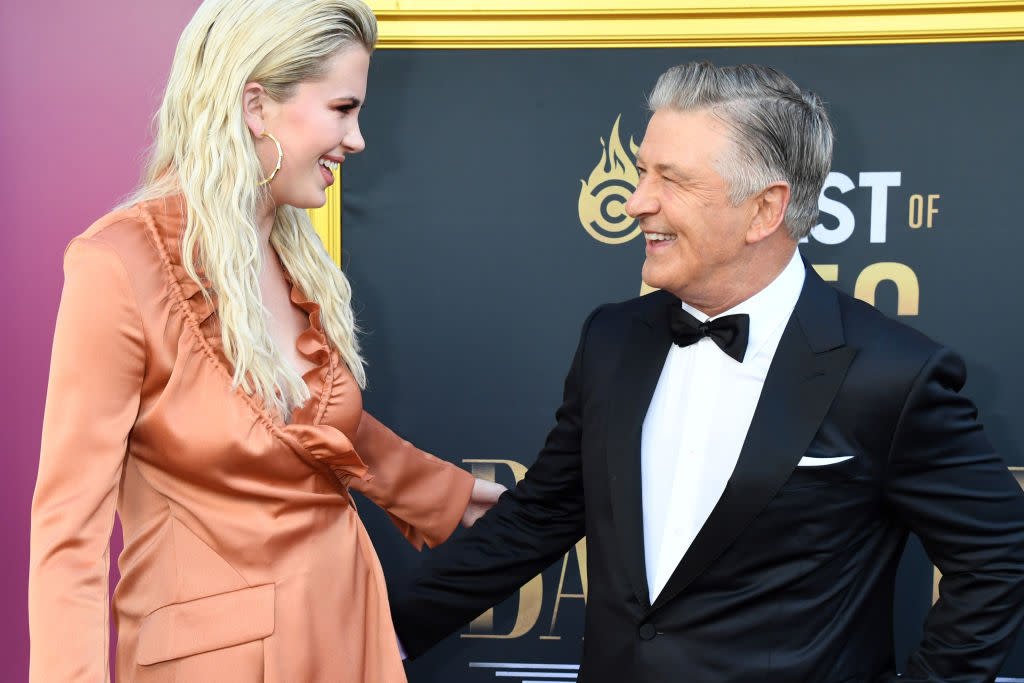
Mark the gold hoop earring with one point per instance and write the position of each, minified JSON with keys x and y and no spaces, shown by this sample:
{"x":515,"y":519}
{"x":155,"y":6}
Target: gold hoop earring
{"x":280,"y":155}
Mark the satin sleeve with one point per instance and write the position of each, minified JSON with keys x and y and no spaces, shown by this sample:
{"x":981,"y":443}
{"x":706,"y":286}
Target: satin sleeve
{"x":92,"y":401}
{"x":423,"y":495}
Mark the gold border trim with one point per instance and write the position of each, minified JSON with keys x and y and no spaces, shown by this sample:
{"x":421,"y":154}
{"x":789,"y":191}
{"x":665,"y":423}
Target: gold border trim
{"x":702,"y":23}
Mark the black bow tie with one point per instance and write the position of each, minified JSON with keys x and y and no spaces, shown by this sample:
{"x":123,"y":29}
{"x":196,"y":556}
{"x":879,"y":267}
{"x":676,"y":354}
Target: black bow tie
{"x":730,"y":332}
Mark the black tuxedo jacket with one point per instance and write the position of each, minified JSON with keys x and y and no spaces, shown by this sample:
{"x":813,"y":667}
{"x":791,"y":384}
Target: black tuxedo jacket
{"x":791,"y":578}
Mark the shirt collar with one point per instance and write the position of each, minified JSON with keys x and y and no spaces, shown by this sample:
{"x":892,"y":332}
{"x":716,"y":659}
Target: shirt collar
{"x":770,"y":308}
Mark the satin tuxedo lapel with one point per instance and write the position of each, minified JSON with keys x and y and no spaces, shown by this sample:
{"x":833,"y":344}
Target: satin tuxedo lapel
{"x":805,"y":374}
{"x":645,"y":348}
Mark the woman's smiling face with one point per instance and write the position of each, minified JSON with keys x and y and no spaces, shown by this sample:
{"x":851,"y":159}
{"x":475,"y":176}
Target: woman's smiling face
{"x":316,"y":127}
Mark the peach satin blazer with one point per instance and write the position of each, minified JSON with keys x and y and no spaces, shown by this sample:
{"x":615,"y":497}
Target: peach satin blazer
{"x":243,"y":559}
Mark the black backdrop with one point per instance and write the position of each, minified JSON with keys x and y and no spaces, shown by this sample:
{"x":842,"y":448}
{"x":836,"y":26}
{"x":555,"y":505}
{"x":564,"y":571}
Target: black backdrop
{"x":472,"y":271}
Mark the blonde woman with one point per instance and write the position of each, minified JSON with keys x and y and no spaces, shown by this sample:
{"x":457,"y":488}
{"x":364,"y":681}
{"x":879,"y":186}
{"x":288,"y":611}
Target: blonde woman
{"x":205,"y":384}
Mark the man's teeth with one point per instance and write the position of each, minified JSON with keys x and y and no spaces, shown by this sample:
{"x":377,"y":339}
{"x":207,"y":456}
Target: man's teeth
{"x":657,"y":236}
{"x":332,"y":165}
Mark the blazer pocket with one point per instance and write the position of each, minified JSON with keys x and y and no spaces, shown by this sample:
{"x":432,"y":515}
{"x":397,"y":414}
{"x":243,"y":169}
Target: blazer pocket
{"x":808,"y":461}
{"x":819,"y":471}
{"x":211,"y":623}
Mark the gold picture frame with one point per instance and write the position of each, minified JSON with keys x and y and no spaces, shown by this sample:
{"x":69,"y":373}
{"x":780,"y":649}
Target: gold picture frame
{"x":694,"y":23}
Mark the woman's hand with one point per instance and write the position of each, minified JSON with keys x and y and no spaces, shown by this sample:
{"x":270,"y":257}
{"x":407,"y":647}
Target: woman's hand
{"x":485,"y":494}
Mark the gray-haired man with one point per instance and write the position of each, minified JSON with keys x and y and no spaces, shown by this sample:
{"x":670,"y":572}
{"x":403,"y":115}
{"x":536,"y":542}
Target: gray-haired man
{"x":747,"y":449}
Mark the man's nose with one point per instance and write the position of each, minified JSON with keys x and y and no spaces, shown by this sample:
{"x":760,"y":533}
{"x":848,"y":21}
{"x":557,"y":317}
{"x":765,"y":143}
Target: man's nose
{"x":641,"y":202}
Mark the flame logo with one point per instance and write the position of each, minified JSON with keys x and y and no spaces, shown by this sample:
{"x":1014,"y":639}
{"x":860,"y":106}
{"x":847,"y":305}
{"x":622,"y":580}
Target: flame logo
{"x":604,"y":194}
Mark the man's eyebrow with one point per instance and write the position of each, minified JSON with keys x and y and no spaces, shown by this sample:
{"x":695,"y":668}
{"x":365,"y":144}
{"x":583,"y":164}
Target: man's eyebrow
{"x":670,"y":168}
{"x":665,"y":168}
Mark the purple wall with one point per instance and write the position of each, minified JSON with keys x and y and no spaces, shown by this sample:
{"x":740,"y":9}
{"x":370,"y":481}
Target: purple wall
{"x":79,"y":82}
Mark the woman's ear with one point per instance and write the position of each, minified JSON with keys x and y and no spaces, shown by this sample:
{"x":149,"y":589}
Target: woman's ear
{"x":253,"y":97}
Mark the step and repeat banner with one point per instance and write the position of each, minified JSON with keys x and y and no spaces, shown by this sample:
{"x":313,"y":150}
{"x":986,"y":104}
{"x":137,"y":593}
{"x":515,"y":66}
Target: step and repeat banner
{"x":485,"y":220}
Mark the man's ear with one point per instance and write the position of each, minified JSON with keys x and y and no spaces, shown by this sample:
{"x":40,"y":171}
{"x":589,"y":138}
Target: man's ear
{"x":769,"y":212}
{"x":253,"y":97}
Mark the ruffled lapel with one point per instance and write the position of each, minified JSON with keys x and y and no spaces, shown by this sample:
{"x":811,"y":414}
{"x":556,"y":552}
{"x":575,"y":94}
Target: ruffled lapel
{"x":323,"y":447}
{"x":165,"y":220}
{"x":326,"y":446}
{"x":312,"y":343}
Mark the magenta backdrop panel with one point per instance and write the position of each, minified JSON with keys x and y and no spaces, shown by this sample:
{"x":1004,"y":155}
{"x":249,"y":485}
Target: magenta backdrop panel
{"x":79,"y":82}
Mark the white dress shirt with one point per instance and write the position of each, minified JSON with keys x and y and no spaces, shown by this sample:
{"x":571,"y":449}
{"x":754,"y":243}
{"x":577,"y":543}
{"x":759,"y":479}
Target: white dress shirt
{"x":698,"y":420}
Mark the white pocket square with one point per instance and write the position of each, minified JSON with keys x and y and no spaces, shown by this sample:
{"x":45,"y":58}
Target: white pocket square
{"x":820,"y":462}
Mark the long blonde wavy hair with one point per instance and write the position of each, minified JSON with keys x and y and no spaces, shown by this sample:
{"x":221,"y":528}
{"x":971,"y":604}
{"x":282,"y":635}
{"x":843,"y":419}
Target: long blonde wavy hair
{"x":204,"y":151}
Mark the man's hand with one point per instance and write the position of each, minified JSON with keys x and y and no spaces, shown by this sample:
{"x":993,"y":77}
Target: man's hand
{"x":485,"y":494}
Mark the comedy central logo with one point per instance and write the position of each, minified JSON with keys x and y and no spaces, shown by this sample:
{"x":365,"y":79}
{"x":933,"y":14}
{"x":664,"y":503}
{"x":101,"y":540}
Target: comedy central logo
{"x":604,"y":194}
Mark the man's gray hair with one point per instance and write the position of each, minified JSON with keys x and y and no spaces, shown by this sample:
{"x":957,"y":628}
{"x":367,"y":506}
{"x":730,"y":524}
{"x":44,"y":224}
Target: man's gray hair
{"x":778,"y":131}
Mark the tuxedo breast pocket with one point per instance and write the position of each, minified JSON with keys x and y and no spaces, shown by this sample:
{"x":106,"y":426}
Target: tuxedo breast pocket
{"x":825,"y":469}
{"x":811,"y":461}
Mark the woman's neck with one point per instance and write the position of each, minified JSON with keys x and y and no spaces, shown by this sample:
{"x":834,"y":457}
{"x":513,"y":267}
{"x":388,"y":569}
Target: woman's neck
{"x":265,"y":215}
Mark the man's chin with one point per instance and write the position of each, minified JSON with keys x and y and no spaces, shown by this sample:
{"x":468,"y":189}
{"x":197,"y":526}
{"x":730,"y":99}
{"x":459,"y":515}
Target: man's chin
{"x":651,"y":277}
